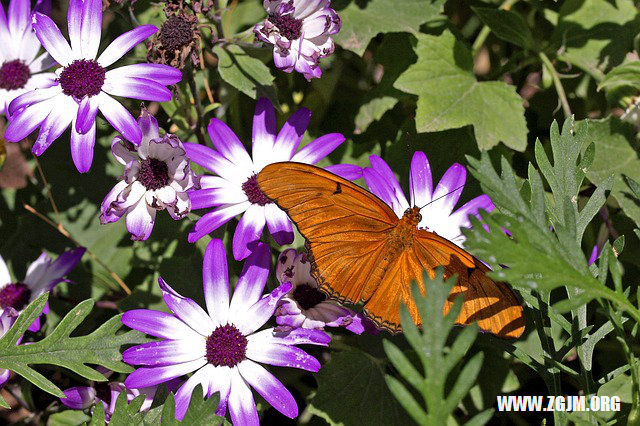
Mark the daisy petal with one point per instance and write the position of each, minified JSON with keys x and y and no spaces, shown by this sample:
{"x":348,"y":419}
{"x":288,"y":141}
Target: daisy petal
{"x":144,"y":377}
{"x":269,"y":388}
{"x":5,"y":278}
{"x":87,"y":113}
{"x":51,"y":39}
{"x":215,"y":276}
{"x":378,"y":186}
{"x":56,"y":122}
{"x":261,"y":311}
{"x":213,"y":161}
{"x":346,"y":171}
{"x":19,"y":18}
{"x":242,"y":407}
{"x":248,"y":231}
{"x":279,"y":224}
{"x":227,"y":143}
{"x":291,"y":134}
{"x":158,"y":324}
{"x":461,"y":216}
{"x":264,"y":132}
{"x":380,"y":166}
{"x":215,"y":219}
{"x":140,"y":221}
{"x":420,"y":183}
{"x":163,"y":74}
{"x":299,"y":336}
{"x":319,"y":148}
{"x":449,"y":189}
{"x":91,"y":30}
{"x":251,"y":281}
{"x":281,"y":356}
{"x":26,"y":121}
{"x":33,"y":97}
{"x":137,"y":88}
{"x":165,"y":352}
{"x":124,"y":43}
{"x":120,"y":118}
{"x":82,"y":147}
{"x":183,"y":396}
{"x":74,"y":26}
{"x":186,"y":309}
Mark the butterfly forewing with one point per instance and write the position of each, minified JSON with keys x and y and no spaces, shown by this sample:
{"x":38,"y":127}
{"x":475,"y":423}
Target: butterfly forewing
{"x":355,"y":255}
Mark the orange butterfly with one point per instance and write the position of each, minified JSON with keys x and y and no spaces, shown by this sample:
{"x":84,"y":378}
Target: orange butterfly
{"x":361,"y":251}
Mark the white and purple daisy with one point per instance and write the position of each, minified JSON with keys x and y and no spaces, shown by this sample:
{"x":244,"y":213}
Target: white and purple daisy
{"x":222,"y":346}
{"x":7,"y":318}
{"x":21,"y":69}
{"x":42,"y":276}
{"x":235,"y":188}
{"x":436,"y":206}
{"x":305,"y":306}
{"x":157,"y":176}
{"x":84,"y":86}
{"x":300,"y":32}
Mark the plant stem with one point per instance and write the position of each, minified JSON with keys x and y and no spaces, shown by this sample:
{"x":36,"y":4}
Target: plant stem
{"x":556,"y":82}
{"x":198,"y":105}
{"x":485,"y":31}
{"x":64,"y":232}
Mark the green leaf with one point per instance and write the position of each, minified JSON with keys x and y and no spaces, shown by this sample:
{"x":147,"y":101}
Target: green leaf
{"x":4,"y":403}
{"x":68,"y":418}
{"x":361,"y":21}
{"x":102,"y":347}
{"x":127,"y":413}
{"x":622,"y":77}
{"x":97,"y":419}
{"x":507,"y":25}
{"x":615,"y":155}
{"x":449,"y":96}
{"x":202,"y":411}
{"x":596,"y":34}
{"x":244,"y":72}
{"x":337,"y":403}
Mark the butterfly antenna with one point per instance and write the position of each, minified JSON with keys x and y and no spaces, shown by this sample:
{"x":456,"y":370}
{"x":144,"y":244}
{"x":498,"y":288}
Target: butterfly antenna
{"x":442,"y":196}
{"x":411,"y":188}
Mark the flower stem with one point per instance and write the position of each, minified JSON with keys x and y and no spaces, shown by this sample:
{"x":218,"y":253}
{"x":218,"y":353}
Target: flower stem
{"x":198,"y":105}
{"x":64,"y":232}
{"x":556,"y":82}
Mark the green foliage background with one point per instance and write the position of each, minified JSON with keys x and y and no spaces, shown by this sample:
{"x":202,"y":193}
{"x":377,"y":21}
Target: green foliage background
{"x":529,"y":95}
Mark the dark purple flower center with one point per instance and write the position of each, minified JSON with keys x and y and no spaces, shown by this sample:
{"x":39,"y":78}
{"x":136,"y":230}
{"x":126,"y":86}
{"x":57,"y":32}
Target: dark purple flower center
{"x":288,"y":26}
{"x":176,"y":32}
{"x":14,"y":75}
{"x":154,"y":174}
{"x":14,"y":296}
{"x":226,"y":346}
{"x":308,"y":296}
{"x":82,"y":78}
{"x":254,"y":193}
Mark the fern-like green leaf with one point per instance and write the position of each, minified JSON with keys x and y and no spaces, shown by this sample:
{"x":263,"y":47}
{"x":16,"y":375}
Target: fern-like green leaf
{"x":102,"y":347}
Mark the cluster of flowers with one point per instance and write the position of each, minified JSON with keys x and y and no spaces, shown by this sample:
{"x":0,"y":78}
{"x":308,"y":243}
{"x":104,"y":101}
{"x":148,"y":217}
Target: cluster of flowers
{"x":223,"y":346}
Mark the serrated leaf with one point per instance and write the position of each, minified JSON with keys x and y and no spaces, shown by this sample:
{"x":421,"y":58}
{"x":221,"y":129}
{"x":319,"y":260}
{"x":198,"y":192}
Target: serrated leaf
{"x":101,"y":347}
{"x":361,"y":21}
{"x":68,"y":418}
{"x":337,"y":403}
{"x":615,"y":155}
{"x":596,"y":34}
{"x":244,"y":72}
{"x":507,"y":25}
{"x":449,"y":96}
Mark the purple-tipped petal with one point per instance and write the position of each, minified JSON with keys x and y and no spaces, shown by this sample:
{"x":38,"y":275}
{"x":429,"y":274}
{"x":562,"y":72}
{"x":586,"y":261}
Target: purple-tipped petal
{"x":471,"y":208}
{"x":140,"y":221}
{"x":299,"y":336}
{"x":215,"y":276}
{"x":79,"y":397}
{"x":291,"y":134}
{"x":282,"y":356}
{"x":378,"y":186}
{"x":55,"y":124}
{"x":227,"y":143}
{"x":251,"y":281}
{"x":215,"y":219}
{"x":380,"y":166}
{"x":164,"y":352}
{"x":144,"y":377}
{"x":183,"y":396}
{"x":242,"y":407}
{"x":33,"y":97}
{"x":420,"y":182}
{"x":82,"y":147}
{"x":269,"y":388}
{"x":120,"y":118}
{"x":279,"y":224}
{"x":137,"y":88}
{"x":248,"y":231}
{"x":449,"y":189}
{"x":148,"y":125}
{"x":26,"y":121}
{"x":63,"y":265}
{"x":51,"y":39}
{"x":262,"y":310}
{"x":74,"y":27}
{"x":264,"y":132}
{"x":186,"y":309}
{"x":158,"y":324}
{"x":124,"y":43}
{"x":212,"y":160}
{"x":319,"y":148}
{"x":346,"y":171}
{"x":163,"y":74}
{"x":19,"y":18}
{"x":91,"y":30}
{"x":87,"y":113}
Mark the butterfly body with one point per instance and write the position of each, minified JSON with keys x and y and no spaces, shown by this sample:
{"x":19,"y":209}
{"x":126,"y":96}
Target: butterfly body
{"x":360,"y":251}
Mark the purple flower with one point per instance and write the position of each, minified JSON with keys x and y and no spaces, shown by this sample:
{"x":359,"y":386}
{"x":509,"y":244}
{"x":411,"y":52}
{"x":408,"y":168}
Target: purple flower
{"x":21,"y":70}
{"x":42,"y":276}
{"x":7,"y":318}
{"x":436,"y":206}
{"x":222,"y":347}
{"x":300,"y":31}
{"x":84,"y":86}
{"x":235,"y":188}
{"x":305,"y":306}
{"x":157,"y":176}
